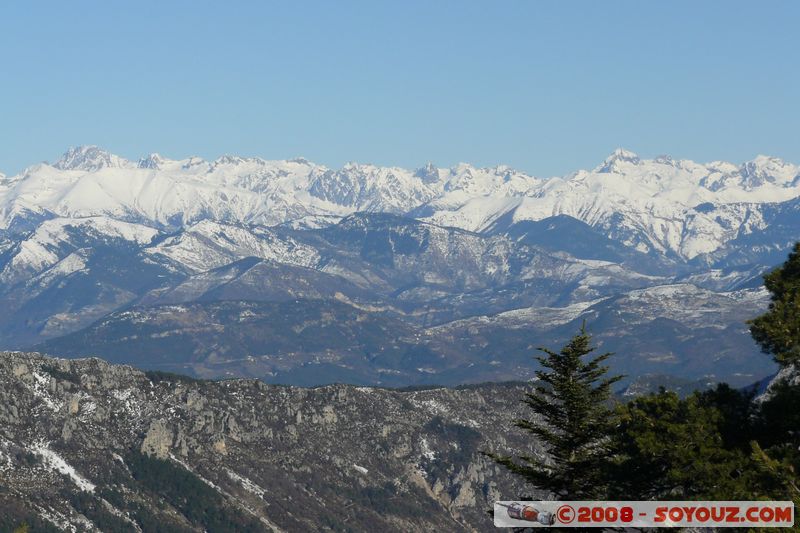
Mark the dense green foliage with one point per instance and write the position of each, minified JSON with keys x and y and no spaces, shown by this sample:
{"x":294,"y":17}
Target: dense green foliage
{"x":16,"y":517}
{"x":158,"y":376}
{"x":720,"y":444}
{"x":778,"y":330}
{"x":57,"y":373}
{"x":198,"y":502}
{"x":571,"y":400}
{"x":780,"y":417}
{"x":716,"y":445}
{"x":672,"y":448}
{"x":712,"y":445}
{"x":31,"y":524}
{"x":92,"y":508}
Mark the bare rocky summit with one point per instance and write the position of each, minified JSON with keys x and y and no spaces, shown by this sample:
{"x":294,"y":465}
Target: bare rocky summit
{"x":90,"y":446}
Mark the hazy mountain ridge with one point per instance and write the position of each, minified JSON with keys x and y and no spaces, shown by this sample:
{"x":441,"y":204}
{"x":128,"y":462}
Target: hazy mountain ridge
{"x":94,"y":235}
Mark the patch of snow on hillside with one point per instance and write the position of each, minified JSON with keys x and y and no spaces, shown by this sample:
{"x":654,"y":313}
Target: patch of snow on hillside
{"x":5,"y":458}
{"x":545,"y":317}
{"x":246,"y":483}
{"x":664,"y":291}
{"x":55,"y":239}
{"x":539,"y":317}
{"x":41,"y":389}
{"x":71,"y":264}
{"x":62,"y":522}
{"x":208,"y":245}
{"x":426,"y":450}
{"x":55,"y":462}
{"x":431,"y":405}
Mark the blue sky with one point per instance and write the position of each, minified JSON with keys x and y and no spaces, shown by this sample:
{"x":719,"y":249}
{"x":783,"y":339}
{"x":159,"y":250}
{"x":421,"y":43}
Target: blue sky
{"x":547,"y":87}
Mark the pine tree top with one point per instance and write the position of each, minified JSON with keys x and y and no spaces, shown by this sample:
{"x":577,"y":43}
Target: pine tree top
{"x":778,"y":330}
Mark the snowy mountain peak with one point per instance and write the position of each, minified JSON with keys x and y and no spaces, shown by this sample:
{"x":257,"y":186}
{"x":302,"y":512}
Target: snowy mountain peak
{"x":90,"y":158}
{"x":620,"y":155}
{"x":428,"y":174}
{"x":193,"y":162}
{"x":641,"y":202}
{"x":765,"y":169}
{"x":351,"y":166}
{"x":152,"y":161}
{"x":234,"y":160}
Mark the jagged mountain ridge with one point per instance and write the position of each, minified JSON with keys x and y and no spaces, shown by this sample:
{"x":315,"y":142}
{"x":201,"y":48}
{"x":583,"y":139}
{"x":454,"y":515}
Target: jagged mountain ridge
{"x":651,"y":205}
{"x":679,"y":330}
{"x":94,"y":236}
{"x":377,"y":259}
{"x":89,"y":446}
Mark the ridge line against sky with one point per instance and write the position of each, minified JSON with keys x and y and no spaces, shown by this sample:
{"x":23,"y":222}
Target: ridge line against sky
{"x":618,"y":152}
{"x":544,"y":87}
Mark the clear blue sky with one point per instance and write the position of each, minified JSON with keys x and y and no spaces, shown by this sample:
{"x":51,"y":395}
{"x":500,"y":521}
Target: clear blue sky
{"x":546,"y":87}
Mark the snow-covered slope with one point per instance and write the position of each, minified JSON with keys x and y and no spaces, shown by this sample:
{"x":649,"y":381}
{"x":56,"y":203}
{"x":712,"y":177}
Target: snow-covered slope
{"x":208,"y":245}
{"x":660,"y":205}
{"x":55,"y":239}
{"x":664,"y":205}
{"x":658,"y":249}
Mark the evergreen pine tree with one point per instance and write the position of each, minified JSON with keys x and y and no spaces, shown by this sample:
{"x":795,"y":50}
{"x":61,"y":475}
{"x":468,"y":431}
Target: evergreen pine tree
{"x":573,"y":421}
{"x":778,"y":330}
{"x":778,"y":333}
{"x":671,"y":448}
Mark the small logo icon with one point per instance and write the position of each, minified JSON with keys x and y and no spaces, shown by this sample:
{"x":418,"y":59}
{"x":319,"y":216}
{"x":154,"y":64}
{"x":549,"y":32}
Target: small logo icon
{"x":518,"y":511}
{"x":565,"y":514}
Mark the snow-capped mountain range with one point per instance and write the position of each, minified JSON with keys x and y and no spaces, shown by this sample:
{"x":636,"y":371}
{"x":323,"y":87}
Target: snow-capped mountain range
{"x":677,"y":207}
{"x":462,"y":269}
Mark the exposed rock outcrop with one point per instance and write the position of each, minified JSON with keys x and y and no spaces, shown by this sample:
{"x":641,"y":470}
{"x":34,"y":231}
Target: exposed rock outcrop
{"x":345,"y":457}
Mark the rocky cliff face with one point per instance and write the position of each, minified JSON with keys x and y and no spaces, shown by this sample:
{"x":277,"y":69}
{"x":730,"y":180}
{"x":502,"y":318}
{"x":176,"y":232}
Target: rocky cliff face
{"x":90,"y":446}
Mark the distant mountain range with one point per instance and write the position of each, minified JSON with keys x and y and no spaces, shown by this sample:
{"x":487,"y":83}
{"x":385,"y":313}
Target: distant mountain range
{"x":292,"y":272}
